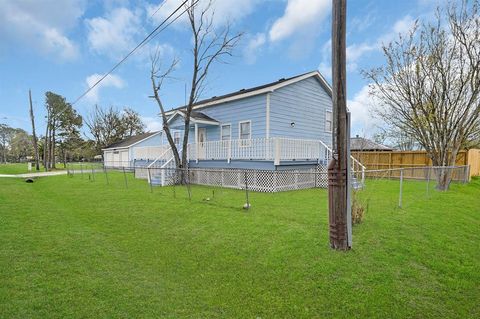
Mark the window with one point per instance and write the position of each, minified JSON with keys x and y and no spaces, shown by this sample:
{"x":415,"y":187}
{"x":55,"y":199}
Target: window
{"x":245,"y":132}
{"x":328,"y":121}
{"x":226,"y":132}
{"x":176,"y":138}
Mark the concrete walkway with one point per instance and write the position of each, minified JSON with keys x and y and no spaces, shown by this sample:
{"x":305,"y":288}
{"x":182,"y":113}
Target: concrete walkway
{"x":31,"y":175}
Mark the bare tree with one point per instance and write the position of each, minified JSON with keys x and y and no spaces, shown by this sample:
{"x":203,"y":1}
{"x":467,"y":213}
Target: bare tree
{"x":429,"y":88}
{"x":157,"y":76}
{"x":109,"y":125}
{"x":210,"y":45}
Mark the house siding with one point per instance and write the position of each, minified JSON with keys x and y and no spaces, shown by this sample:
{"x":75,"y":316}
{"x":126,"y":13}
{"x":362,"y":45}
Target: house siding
{"x":304,"y":103}
{"x":247,"y":109}
{"x":155,"y":140}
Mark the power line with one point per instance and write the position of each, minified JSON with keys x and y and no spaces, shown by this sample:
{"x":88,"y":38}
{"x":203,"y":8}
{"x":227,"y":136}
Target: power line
{"x":150,"y":36}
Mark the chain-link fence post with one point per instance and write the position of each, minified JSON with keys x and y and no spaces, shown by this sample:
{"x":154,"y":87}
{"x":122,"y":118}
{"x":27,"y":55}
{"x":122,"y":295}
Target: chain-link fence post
{"x":188,"y":186}
{"x":93,"y":174}
{"x":81,"y":169}
{"x":125,"y":177}
{"x":401,"y":189}
{"x":247,"y":204}
{"x":150,"y":179}
{"x":428,"y":181}
{"x":106,"y":175}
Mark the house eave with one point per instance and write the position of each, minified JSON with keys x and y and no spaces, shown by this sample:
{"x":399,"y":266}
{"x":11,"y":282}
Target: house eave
{"x":266,"y":90}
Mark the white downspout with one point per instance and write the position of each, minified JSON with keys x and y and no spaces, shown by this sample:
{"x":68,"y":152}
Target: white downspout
{"x":267,"y":117}
{"x":196,"y":142}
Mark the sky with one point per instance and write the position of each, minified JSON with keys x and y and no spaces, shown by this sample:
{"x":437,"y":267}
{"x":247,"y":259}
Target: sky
{"x":65,"y":46}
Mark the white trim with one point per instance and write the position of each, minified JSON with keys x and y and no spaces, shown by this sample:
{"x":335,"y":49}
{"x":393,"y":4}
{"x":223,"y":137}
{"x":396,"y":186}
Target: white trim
{"x":221,"y":131}
{"x":192,"y":120}
{"x":264,"y":90}
{"x":121,"y":147}
{"x":331,"y":121}
{"x":267,"y":116}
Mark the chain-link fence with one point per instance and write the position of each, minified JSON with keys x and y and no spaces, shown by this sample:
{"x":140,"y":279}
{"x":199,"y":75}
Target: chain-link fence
{"x":403,"y":187}
{"x":389,"y":188}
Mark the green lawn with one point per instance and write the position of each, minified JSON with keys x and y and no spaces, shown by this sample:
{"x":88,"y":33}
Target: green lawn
{"x":73,"y":247}
{"x":22,"y":168}
{"x":15,"y":168}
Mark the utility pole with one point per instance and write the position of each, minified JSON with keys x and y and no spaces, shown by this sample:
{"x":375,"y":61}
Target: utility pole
{"x":338,"y":167}
{"x":35,"y":144}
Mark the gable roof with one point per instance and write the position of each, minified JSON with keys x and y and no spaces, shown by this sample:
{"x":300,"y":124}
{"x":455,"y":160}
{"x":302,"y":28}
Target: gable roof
{"x":265,"y":88}
{"x":195,"y":117}
{"x":362,"y":144}
{"x":132,"y":140}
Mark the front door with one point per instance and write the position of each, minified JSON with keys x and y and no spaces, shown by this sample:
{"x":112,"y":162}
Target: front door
{"x":202,"y":138}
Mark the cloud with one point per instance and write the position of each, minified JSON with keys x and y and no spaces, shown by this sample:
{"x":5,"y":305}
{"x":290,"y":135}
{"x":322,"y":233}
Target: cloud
{"x":357,"y":50}
{"x":226,"y":11}
{"x":253,"y":47}
{"x":114,"y":35}
{"x":361,"y":108}
{"x":110,"y":81}
{"x":325,"y":66}
{"x":39,"y":25}
{"x":299,"y":16}
{"x":152,"y":123}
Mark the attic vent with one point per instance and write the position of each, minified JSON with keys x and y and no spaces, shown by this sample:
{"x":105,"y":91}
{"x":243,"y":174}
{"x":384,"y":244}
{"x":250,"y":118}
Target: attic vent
{"x":214,"y":96}
{"x":282,"y":79}
{"x":241,"y":90}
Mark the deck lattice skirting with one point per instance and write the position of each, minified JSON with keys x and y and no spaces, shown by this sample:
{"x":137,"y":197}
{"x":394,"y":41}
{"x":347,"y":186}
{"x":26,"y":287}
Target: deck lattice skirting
{"x":257,"y":180}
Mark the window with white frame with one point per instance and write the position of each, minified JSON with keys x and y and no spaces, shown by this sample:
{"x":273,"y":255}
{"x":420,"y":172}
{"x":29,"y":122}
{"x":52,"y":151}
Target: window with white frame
{"x":245,"y":132}
{"x":245,"y":129}
{"x":176,"y":138}
{"x":328,"y":121}
{"x":226,"y":132}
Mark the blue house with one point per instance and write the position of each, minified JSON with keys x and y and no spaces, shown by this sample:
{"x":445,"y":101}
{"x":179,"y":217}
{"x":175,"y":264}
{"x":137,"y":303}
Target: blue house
{"x":283,"y":125}
{"x":273,"y":126}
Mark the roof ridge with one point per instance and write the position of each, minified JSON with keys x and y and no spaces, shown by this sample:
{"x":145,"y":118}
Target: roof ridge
{"x":247,"y":90}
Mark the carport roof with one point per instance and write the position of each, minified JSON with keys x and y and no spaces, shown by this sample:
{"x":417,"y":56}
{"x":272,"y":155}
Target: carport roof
{"x":131,"y":140}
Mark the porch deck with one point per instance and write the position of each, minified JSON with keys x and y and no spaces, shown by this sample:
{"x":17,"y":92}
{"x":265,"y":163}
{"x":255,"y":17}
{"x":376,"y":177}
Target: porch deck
{"x":274,"y":149}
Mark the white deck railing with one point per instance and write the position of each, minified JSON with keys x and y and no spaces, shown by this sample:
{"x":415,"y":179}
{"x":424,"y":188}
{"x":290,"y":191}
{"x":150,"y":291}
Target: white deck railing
{"x":275,"y":149}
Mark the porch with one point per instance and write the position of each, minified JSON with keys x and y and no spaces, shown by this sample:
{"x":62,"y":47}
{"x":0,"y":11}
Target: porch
{"x":275,"y":149}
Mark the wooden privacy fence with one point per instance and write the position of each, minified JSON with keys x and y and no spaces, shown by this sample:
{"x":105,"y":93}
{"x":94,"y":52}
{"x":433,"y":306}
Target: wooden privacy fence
{"x":402,"y":159}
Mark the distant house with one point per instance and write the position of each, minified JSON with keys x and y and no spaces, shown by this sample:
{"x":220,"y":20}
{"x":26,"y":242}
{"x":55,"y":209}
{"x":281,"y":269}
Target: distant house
{"x":361,"y":144}
{"x":125,"y":152}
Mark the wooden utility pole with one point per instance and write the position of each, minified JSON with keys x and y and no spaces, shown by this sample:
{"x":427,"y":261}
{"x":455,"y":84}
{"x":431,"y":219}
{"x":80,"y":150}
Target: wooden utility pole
{"x":337,"y":169}
{"x":35,"y":143}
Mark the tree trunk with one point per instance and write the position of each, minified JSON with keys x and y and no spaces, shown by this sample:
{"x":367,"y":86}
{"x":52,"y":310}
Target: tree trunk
{"x":53,"y":148}
{"x":34,"y":135}
{"x":46,"y":150}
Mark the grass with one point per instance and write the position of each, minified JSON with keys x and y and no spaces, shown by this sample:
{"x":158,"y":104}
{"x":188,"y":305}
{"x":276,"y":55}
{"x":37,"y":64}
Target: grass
{"x":15,"y":168}
{"x":74,"y":247}
{"x":22,"y":168}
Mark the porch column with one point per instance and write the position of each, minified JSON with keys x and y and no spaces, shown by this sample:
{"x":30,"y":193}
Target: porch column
{"x":277,"y":151}
{"x":196,"y":142}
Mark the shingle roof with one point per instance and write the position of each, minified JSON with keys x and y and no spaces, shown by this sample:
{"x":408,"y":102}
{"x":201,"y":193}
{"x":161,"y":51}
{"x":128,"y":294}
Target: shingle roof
{"x":243,"y":91}
{"x":130,"y":140}
{"x":362,"y":144}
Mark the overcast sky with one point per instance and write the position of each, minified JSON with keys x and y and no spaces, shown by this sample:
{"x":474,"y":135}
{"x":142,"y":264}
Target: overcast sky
{"x":64,"y":46}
